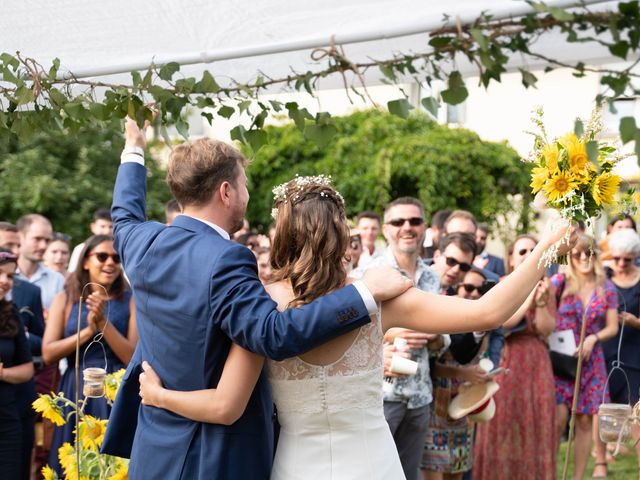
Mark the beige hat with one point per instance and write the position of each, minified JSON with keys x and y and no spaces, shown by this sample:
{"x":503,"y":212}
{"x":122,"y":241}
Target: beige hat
{"x":474,"y":400}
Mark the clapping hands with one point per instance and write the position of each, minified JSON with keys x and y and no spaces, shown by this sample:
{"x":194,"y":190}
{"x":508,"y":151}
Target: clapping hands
{"x":95,"y":305}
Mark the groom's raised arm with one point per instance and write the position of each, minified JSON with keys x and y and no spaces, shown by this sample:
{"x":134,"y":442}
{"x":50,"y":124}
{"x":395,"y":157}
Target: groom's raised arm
{"x":249,"y":316}
{"x":128,"y":209}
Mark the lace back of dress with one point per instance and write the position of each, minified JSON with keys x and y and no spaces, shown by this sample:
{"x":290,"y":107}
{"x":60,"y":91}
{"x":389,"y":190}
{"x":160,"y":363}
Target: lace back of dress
{"x":364,"y":354}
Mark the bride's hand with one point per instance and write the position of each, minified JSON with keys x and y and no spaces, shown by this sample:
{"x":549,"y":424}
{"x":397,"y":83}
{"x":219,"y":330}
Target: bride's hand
{"x":151,"y":389}
{"x":555,"y":231}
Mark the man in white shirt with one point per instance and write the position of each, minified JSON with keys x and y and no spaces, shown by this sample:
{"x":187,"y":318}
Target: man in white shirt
{"x":35,"y":233}
{"x":368,"y":225}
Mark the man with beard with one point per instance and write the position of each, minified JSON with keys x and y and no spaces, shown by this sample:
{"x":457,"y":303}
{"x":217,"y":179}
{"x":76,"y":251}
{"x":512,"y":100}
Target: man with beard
{"x":35,"y":233}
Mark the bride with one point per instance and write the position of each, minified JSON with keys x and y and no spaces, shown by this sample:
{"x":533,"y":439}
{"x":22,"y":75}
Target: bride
{"x":329,"y":400}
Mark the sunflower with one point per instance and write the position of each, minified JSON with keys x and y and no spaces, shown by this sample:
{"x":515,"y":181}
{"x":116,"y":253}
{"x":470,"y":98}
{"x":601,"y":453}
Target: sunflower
{"x":577,"y":153}
{"x":48,"y":473}
{"x":560,"y":184}
{"x":539,"y":175}
{"x":121,"y":472}
{"x":92,"y":432}
{"x":67,"y":457}
{"x":112,"y":384}
{"x":604,"y":187}
{"x":550,"y":152}
{"x":49,"y":409}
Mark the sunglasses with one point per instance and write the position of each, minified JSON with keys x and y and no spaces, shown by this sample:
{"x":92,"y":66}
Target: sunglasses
{"x":482,"y":289}
{"x":468,"y":287}
{"x":103,"y":256}
{"x":623,"y":259}
{"x":524,"y":251}
{"x":413,"y":221}
{"x":452,"y":262}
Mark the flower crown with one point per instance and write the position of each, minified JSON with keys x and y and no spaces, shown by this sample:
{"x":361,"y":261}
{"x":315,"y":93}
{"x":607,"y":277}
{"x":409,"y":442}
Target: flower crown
{"x":293,"y":188}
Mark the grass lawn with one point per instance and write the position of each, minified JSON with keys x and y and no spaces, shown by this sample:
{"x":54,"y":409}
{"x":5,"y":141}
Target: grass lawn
{"x":624,"y":467}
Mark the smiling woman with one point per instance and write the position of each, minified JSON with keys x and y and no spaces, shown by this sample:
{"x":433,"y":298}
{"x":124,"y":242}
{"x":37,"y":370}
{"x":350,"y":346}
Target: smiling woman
{"x":108,"y":308}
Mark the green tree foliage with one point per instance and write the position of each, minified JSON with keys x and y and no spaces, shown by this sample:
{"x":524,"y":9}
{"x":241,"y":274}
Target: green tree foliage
{"x":66,"y":177}
{"x":376,"y":157}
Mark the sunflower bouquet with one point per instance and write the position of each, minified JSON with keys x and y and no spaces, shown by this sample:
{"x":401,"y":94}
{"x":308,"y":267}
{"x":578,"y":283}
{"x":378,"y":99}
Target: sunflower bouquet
{"x":573,"y":174}
{"x":91,"y":430}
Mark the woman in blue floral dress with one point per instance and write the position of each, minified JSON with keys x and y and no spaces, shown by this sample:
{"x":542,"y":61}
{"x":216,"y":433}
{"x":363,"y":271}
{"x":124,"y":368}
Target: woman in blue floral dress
{"x":584,"y":283}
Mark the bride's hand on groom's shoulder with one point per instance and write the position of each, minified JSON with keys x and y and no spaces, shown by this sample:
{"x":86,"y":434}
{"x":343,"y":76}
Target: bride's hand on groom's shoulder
{"x":385,"y":283}
{"x":150,"y":386}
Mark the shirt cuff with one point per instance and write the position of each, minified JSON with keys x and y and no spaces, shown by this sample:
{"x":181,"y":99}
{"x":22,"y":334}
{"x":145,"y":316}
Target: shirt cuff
{"x":132,"y":154}
{"x":478,"y":336}
{"x":367,"y":298}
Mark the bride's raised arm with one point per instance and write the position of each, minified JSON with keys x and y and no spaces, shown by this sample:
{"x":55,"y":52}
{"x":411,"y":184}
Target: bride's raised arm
{"x":432,"y":313}
{"x":224,"y":404}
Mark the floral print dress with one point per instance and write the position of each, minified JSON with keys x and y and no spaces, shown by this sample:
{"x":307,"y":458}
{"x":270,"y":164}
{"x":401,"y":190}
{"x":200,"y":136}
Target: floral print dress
{"x":594,"y":372}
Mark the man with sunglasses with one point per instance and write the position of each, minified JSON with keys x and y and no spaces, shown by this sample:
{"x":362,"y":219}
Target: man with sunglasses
{"x":406,"y":407}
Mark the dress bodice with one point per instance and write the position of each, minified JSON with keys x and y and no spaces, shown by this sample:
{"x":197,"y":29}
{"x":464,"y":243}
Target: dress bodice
{"x":354,"y":379}
{"x":331,"y":416}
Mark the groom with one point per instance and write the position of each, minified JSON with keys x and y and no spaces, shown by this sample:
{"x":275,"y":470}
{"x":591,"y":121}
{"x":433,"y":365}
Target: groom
{"x":195,"y":292}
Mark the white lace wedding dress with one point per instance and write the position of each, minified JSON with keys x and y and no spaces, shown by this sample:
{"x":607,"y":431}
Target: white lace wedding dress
{"x":331,"y":417}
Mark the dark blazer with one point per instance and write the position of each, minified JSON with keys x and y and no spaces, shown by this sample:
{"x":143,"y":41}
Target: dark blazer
{"x":28,"y":301}
{"x":26,"y":297}
{"x":495,"y":265}
{"x":196,"y":292}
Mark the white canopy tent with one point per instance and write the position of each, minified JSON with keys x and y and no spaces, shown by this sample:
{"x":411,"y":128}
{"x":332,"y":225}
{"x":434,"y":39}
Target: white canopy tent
{"x":237,"y":40}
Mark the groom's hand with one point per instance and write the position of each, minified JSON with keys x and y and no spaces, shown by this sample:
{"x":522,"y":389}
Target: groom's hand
{"x":385,"y":283}
{"x":134,"y":136}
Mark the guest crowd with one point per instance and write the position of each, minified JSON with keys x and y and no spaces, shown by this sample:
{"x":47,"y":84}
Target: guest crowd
{"x":42,"y":280}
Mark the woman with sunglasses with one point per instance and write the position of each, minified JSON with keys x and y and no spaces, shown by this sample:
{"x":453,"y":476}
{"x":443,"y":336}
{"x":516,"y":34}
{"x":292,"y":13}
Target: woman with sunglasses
{"x":525,"y":404}
{"x":585,"y":288}
{"x":107,"y":306}
{"x":624,"y":248}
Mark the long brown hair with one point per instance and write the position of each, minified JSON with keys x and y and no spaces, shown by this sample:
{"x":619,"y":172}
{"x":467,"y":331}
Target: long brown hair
{"x":80,"y":277}
{"x":311,"y":239}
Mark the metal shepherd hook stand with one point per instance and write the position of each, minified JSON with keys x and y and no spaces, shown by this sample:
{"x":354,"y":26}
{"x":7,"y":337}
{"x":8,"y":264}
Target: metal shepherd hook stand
{"x":96,"y":339}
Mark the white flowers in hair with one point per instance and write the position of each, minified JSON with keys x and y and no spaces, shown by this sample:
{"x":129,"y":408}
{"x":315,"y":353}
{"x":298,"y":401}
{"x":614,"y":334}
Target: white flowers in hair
{"x":297,"y":185}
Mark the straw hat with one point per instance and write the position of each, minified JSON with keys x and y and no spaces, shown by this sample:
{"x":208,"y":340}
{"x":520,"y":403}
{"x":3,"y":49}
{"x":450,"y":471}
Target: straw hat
{"x":476,"y":401}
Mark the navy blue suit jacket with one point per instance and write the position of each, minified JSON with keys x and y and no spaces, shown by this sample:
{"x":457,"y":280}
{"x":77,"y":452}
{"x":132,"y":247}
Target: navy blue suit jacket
{"x":28,"y":301}
{"x":196,"y":292}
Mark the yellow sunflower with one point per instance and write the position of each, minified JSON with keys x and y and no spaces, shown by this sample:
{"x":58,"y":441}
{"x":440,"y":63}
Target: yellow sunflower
{"x":605,"y":187}
{"x":92,"y":432}
{"x":121,"y":472}
{"x":67,"y":457}
{"x":550,"y":152}
{"x":112,"y":384}
{"x":48,"y":473}
{"x":560,"y":184}
{"x":539,"y":175}
{"x":577,"y":153}
{"x":50,"y":410}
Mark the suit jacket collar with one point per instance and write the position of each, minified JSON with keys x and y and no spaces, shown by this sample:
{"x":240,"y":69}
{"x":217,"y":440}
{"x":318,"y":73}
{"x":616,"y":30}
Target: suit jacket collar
{"x":197,"y":225}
